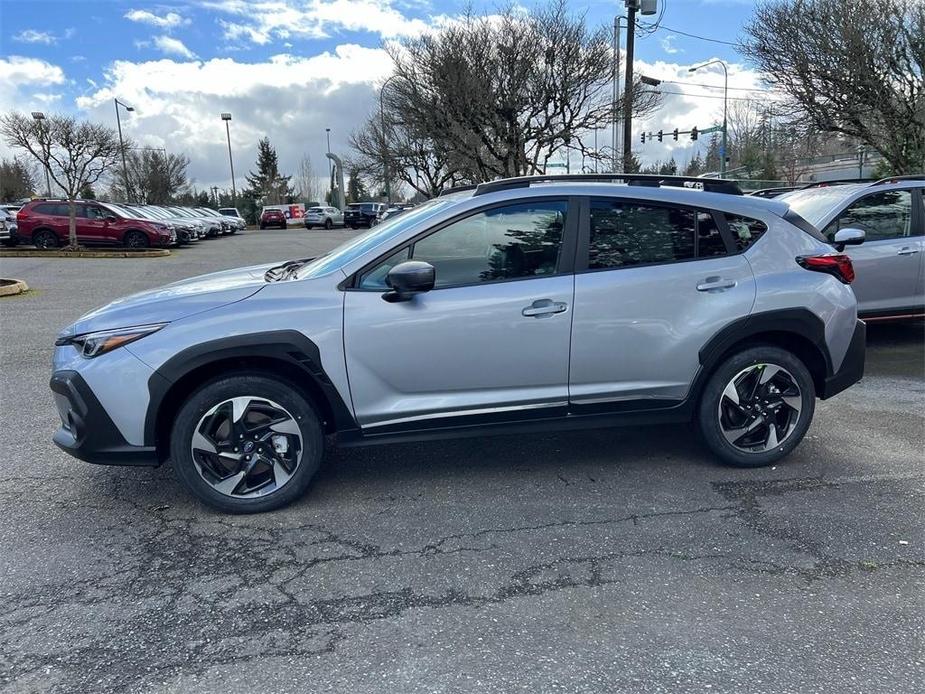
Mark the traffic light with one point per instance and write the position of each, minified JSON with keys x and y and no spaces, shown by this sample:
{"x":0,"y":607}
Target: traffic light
{"x":643,"y":136}
{"x":694,"y":133}
{"x":659,"y":135}
{"x":675,"y":134}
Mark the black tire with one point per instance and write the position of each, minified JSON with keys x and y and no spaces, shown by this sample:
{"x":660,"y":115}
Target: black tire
{"x":9,"y":243}
{"x":45,"y":239}
{"x":353,"y":226}
{"x":308,"y":226}
{"x":257,"y":385}
{"x":328,"y":224}
{"x":261,"y":227}
{"x":136,"y":239}
{"x":710,"y":417}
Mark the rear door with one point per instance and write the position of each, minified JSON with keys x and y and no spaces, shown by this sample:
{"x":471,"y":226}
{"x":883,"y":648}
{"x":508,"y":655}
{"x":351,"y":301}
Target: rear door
{"x":888,"y":265}
{"x":654,"y":282}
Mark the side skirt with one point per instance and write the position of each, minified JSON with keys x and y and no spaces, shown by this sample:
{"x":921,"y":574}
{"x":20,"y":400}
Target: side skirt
{"x":624,"y":413}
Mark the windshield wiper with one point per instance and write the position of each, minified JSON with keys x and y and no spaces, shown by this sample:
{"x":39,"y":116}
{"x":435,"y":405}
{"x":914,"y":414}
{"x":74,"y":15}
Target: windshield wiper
{"x":284,"y":271}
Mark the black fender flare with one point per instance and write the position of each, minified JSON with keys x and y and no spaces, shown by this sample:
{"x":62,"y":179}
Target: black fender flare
{"x":288,"y":347}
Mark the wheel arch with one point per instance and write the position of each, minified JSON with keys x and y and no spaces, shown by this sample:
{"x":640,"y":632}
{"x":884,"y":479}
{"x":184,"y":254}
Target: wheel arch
{"x":286,"y":355}
{"x":798,"y":331}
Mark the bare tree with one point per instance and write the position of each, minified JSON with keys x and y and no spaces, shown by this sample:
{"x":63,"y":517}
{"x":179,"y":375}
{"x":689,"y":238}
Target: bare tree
{"x":307,"y":183}
{"x":498,"y":95}
{"x":154,"y":176}
{"x":76,"y":153}
{"x":851,"y":66}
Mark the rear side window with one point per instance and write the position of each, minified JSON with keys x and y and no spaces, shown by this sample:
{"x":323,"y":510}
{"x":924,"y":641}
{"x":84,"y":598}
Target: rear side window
{"x":745,"y":230}
{"x":624,"y":234}
{"x":51,"y":208}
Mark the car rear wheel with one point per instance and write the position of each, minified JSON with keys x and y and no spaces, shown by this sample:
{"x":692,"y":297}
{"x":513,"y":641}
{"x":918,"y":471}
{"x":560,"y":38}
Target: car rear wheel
{"x":328,"y":224}
{"x":757,"y":406}
{"x":45,"y":239}
{"x":246,"y":443}
{"x":136,"y":239}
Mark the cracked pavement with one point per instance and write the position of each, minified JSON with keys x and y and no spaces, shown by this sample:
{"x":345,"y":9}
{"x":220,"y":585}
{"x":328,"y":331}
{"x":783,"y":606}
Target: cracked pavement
{"x":620,"y":560}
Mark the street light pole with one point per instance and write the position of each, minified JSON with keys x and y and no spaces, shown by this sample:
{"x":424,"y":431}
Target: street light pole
{"x":385,"y":159}
{"x":722,"y":153}
{"x":330,"y":168}
{"x":117,"y":104}
{"x":39,"y":116}
{"x":234,"y":191}
{"x":628,"y":88}
{"x":616,"y":91}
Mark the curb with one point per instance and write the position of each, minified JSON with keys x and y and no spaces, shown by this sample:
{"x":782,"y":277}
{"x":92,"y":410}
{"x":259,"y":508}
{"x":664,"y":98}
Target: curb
{"x":36,"y":253}
{"x":9,"y":287}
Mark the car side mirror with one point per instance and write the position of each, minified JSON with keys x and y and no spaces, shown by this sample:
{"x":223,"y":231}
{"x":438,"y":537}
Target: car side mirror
{"x":409,"y":278}
{"x":848,"y":237}
{"x":111,"y":218}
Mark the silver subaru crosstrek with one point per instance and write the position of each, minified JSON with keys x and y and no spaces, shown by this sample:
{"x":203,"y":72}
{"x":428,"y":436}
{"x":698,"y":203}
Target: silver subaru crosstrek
{"x":520,"y":305}
{"x":890,"y":265}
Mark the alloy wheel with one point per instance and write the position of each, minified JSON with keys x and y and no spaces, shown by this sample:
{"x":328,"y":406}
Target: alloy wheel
{"x":760,"y":408}
{"x":247,"y":447}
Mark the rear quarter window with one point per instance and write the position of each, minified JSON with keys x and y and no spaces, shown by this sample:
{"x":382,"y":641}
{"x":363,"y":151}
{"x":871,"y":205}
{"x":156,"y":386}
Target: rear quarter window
{"x":745,"y":230}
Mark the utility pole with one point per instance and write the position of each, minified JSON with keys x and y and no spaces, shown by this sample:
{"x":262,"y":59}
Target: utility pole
{"x":631,"y":6}
{"x":615,"y":167}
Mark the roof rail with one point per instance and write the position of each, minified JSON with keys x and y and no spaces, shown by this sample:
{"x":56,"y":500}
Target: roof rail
{"x":836,"y":182}
{"x":771,"y":192}
{"x":893,"y":179}
{"x":712,"y":185}
{"x":458,"y":189}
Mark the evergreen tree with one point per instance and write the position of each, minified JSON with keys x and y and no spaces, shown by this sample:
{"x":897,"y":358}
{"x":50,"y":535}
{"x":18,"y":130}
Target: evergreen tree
{"x":87,"y":193}
{"x":16,"y":180}
{"x":694,"y":166}
{"x":711,"y":162}
{"x":356,"y":191}
{"x":268,"y":185}
{"x":669,"y":168}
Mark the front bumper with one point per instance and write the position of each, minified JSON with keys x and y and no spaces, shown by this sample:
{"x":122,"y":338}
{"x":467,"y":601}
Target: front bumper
{"x":852,"y":366}
{"x":87,"y":432}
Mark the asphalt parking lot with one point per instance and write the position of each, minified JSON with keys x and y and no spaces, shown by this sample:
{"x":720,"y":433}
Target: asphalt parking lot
{"x":604,"y":561}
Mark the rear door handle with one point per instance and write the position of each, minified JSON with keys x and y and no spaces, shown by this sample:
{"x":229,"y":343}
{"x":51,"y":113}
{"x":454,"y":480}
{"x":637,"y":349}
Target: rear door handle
{"x":544,"y":307}
{"x":715,"y":284}
{"x":907,"y":251}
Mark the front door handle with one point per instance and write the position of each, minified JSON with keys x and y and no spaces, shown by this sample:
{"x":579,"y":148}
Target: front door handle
{"x":544,"y":307}
{"x":715,"y":284}
{"x":906,"y":250}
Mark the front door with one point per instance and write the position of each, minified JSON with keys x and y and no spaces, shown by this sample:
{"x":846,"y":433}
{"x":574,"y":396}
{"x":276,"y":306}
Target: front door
{"x":659,"y":281}
{"x":490,"y":341}
{"x":888,"y":264}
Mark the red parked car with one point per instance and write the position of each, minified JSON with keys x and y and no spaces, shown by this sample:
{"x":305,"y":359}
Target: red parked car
{"x":273,"y":218}
{"x":44,"y":224}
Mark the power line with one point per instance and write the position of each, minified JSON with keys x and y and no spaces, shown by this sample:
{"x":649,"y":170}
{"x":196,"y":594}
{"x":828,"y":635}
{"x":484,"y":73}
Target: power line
{"x":709,"y":96}
{"x":662,"y":27}
{"x":719,"y":86}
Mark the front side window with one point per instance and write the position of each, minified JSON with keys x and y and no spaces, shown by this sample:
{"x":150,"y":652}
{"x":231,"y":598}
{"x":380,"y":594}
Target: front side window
{"x":92,"y":212}
{"x":504,"y":243}
{"x":885,"y":215}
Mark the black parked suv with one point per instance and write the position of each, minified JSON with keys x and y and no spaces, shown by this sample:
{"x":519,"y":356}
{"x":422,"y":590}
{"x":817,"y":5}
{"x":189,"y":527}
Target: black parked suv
{"x":363,"y":214}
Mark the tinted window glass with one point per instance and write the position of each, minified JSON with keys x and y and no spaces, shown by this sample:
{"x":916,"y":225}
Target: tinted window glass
{"x":627,"y":234}
{"x":375,"y":278}
{"x":51,"y":208}
{"x":745,"y":230}
{"x":512,"y":242}
{"x":883,"y":215}
{"x":91,"y":212}
{"x":710,"y":242}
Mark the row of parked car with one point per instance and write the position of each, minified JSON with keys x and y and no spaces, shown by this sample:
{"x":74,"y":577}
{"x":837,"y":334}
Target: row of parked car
{"x":45,"y":223}
{"x":356,"y":215}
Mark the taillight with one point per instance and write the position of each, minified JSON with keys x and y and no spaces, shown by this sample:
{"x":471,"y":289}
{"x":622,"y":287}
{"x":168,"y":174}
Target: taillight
{"x":835,"y":264}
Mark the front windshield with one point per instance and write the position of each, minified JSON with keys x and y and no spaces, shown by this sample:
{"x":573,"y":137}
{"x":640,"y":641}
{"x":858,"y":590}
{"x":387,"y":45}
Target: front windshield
{"x":814,"y":204}
{"x":379,"y":234}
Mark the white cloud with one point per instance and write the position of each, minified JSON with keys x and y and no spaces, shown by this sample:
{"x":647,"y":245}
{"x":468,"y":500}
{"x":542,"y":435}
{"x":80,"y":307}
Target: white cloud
{"x":171,"y":46}
{"x":291,"y":99}
{"x":667,"y":45}
{"x":263,"y":21}
{"x":27,"y":84}
{"x":167,"y":21}
{"x":35,"y":36}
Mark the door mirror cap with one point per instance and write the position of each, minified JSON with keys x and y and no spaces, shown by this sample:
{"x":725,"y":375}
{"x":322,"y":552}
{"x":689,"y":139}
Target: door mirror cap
{"x":409,"y":278}
{"x":848,"y":237}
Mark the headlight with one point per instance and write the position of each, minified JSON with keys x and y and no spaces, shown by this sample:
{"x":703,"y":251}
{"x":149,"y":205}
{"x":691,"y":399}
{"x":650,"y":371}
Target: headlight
{"x":95,"y":344}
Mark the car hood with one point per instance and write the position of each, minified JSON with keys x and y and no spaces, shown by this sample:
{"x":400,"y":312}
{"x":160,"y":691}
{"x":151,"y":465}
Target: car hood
{"x":174,"y":301}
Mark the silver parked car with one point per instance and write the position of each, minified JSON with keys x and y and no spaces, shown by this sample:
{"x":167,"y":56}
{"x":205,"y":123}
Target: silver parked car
{"x":890,"y":264}
{"x":327,"y":217}
{"x":521,"y":305}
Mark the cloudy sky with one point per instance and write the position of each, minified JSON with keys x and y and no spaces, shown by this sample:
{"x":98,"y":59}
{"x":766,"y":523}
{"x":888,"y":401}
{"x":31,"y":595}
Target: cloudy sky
{"x":289,"y":69}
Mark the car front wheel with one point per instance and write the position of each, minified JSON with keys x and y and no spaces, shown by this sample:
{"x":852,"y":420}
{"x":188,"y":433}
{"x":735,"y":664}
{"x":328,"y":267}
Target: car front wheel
{"x":757,"y":406}
{"x":246,"y":443}
{"x":136,"y":239}
{"x":328,"y":224}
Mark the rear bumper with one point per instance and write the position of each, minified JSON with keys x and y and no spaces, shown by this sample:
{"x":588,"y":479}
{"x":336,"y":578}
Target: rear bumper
{"x":852,"y":367}
{"x":86,"y":430}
